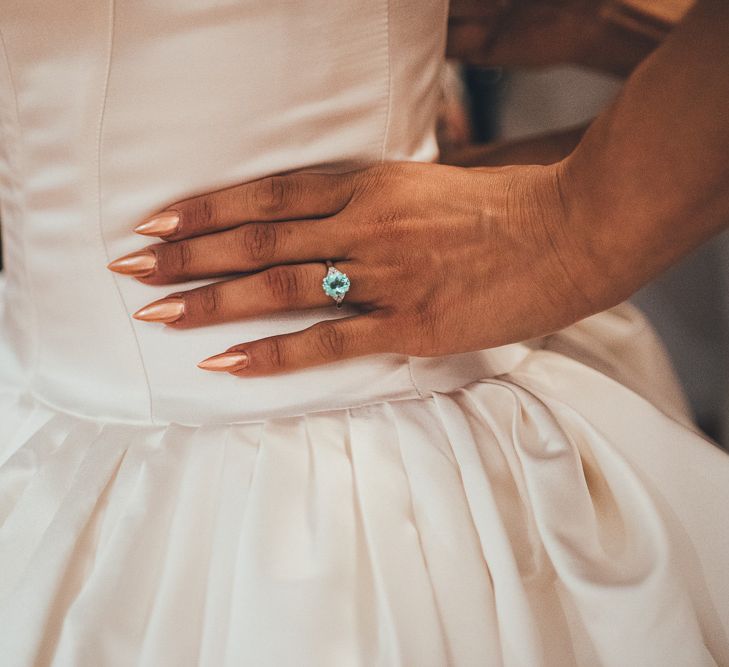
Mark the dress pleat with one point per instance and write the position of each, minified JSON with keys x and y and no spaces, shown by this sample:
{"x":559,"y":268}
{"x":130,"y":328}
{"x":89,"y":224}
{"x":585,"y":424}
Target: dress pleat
{"x":448,"y":536}
{"x":409,"y":629}
{"x":519,"y":641}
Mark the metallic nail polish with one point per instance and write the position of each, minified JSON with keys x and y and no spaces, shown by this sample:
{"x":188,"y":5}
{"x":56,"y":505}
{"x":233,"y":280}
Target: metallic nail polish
{"x":167,"y":310}
{"x":140,"y":263}
{"x":162,"y":224}
{"x":227,"y":361}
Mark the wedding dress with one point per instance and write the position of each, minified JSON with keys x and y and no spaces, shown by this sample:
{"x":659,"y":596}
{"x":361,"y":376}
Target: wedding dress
{"x":544,"y":503}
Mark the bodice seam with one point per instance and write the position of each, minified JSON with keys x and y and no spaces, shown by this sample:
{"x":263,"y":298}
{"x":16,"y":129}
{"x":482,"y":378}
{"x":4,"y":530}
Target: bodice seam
{"x":388,"y":107}
{"x":109,"y":419}
{"x":385,"y":137}
{"x":99,"y":153}
{"x":35,"y":345}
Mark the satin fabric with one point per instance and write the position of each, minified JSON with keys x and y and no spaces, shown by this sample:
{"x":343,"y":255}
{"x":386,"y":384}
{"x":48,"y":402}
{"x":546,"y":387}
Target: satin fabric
{"x":546,"y":503}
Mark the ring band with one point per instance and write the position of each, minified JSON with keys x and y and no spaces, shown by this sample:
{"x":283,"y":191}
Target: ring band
{"x":335,"y":283}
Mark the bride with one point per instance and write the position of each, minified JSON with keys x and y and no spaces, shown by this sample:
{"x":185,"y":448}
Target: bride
{"x":432,"y":437}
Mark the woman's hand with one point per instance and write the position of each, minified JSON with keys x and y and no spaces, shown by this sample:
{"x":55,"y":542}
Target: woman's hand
{"x":441,"y":260}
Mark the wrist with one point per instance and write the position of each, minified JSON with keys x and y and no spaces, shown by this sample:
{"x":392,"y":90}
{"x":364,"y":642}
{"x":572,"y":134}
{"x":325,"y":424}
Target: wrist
{"x":590,"y":240}
{"x":573,"y":266}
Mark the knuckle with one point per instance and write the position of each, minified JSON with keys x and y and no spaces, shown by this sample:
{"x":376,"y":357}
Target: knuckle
{"x":387,"y":218}
{"x":378,"y":176}
{"x":182,"y":256}
{"x":388,"y":224}
{"x":283,"y":284}
{"x":330,"y":340}
{"x":274,"y":194}
{"x":258,"y":240}
{"x":209,"y":300}
{"x":274,"y":354}
{"x":204,"y":212}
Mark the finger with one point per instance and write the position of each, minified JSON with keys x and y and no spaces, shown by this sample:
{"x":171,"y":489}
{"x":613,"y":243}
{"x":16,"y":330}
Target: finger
{"x":247,"y":248}
{"x":324,"y":342}
{"x":273,"y":198}
{"x":280,"y":288}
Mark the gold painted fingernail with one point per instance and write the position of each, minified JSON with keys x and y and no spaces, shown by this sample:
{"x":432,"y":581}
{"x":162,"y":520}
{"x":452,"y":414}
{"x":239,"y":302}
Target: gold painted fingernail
{"x":162,"y":224}
{"x":167,"y":310}
{"x":227,"y":361}
{"x":139,"y":263}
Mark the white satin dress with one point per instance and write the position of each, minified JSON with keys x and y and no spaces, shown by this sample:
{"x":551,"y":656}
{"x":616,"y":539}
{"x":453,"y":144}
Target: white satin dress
{"x":545,"y":503}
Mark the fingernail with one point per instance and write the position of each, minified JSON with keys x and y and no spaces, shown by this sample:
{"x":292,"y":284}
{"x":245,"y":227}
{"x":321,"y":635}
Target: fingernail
{"x":169,"y":309}
{"x":140,"y":263}
{"x":227,"y":361}
{"x":162,"y":224}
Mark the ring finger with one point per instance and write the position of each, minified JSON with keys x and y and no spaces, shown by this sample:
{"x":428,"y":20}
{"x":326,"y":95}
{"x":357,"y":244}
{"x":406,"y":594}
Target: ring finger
{"x":279,"y":288}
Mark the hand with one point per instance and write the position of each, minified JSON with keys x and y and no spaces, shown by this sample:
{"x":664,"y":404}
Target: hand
{"x":539,"y":33}
{"x":441,"y":260}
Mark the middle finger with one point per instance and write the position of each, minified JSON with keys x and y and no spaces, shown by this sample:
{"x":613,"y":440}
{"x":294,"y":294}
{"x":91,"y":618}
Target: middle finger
{"x":249,"y":247}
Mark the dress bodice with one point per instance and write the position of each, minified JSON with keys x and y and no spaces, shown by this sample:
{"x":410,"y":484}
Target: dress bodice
{"x":110,"y":111}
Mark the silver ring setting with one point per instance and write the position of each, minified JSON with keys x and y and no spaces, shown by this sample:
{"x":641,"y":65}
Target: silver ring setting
{"x":335,"y":284}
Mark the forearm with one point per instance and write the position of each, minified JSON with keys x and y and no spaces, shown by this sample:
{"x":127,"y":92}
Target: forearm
{"x":528,"y":33}
{"x":650,"y":180}
{"x":539,"y":149}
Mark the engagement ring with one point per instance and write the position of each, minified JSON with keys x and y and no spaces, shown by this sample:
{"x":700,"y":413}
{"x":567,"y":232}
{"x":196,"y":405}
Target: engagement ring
{"x":335,"y":283}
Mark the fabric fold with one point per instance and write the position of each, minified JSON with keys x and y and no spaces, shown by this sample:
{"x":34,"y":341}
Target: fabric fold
{"x":409,"y":626}
{"x":55,"y":569}
{"x":519,"y":637}
{"x":508,"y":522}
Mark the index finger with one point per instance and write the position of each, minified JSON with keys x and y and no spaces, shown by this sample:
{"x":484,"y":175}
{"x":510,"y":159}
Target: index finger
{"x":273,"y":198}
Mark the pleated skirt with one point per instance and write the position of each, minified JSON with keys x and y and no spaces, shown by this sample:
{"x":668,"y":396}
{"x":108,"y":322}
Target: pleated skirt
{"x":566,"y":513}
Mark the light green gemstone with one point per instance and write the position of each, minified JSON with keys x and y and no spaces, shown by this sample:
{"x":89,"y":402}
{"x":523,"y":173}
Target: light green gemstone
{"x":335,"y":284}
